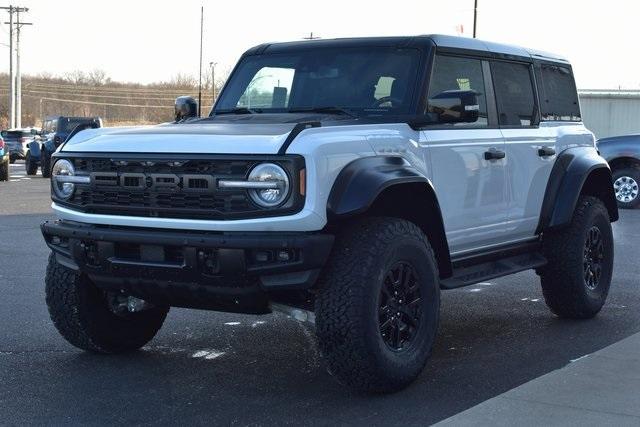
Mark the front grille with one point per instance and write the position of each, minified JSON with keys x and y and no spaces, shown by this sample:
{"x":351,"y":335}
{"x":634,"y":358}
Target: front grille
{"x":174,"y":187}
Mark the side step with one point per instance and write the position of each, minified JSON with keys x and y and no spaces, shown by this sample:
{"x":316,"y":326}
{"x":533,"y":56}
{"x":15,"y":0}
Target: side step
{"x":465,"y":276}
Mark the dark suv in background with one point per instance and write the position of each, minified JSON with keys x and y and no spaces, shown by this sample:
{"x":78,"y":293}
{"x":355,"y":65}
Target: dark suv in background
{"x":55,"y":130}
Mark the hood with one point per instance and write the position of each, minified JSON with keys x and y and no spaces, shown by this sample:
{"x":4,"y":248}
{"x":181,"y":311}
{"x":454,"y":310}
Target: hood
{"x":204,"y":138}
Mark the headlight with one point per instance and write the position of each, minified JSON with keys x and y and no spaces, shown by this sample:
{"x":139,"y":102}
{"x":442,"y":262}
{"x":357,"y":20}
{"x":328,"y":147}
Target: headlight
{"x":61,"y":169}
{"x":277,"y":177}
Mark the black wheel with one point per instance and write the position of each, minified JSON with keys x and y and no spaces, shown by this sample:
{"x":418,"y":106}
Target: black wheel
{"x":378,"y":304}
{"x":626,"y":184}
{"x":4,"y":169}
{"x":91,"y":319}
{"x":30,"y":165}
{"x":45,"y":164}
{"x":576,"y":280}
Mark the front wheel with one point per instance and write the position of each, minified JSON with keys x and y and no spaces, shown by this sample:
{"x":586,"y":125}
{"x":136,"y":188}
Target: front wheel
{"x":577,"y":277}
{"x":45,"y":164}
{"x":377,"y":310}
{"x":30,"y":165}
{"x":88,"y":317}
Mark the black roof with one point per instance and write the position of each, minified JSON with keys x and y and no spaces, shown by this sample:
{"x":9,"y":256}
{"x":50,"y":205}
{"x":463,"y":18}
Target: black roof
{"x":422,"y":42}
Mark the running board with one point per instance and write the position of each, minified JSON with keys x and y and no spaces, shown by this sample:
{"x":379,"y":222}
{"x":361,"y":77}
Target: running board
{"x":490,"y":270}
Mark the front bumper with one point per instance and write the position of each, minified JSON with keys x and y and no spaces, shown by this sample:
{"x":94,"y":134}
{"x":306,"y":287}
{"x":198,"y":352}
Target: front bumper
{"x":235,"y":272}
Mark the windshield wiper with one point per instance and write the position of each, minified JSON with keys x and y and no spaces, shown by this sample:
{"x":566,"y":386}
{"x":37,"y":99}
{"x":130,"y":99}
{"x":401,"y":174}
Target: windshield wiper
{"x":326,"y":110}
{"x":238,"y":110}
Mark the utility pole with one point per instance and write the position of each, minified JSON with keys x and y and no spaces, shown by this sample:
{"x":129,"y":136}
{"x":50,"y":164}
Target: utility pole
{"x":200,"y":80}
{"x":475,"y":17}
{"x":213,"y":81}
{"x":15,"y":82}
{"x":18,"y":75}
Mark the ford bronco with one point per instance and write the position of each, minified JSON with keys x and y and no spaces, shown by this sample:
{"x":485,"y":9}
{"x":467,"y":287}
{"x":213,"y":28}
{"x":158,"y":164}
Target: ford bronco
{"x":345,"y":182}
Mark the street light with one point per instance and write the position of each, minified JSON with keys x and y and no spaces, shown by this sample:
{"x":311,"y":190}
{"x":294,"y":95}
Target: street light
{"x":213,"y":81}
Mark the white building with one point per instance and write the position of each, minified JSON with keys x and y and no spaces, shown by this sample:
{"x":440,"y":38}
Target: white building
{"x":611,"y":112}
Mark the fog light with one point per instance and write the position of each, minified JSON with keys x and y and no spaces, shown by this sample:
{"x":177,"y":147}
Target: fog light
{"x":283,"y":256}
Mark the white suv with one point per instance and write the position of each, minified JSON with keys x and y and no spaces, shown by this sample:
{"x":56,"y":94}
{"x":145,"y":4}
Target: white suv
{"x":345,"y":182}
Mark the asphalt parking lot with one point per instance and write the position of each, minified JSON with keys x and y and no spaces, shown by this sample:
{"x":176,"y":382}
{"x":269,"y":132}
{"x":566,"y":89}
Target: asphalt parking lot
{"x":211,"y":368}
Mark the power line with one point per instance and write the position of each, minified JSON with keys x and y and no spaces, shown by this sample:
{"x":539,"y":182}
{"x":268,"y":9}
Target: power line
{"x":29,"y":89}
{"x":162,"y":91}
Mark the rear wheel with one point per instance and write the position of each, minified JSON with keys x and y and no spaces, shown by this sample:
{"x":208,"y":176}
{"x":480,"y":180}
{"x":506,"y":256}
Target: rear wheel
{"x":94,"y":320}
{"x":30,"y":165}
{"x":576,"y":280}
{"x":626,"y":184}
{"x":377,"y":310}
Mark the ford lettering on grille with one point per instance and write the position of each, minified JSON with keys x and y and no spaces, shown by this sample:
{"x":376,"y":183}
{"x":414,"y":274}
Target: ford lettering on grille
{"x":154,"y":181}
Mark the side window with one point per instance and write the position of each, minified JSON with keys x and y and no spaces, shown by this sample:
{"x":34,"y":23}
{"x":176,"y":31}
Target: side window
{"x":452,"y":73}
{"x":559,"y":97}
{"x":514,"y":93}
{"x":270,"y":87}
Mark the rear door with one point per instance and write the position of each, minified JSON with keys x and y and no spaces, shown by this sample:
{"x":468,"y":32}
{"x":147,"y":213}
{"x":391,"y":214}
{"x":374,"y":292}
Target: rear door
{"x":470,"y":186}
{"x":531,"y":149}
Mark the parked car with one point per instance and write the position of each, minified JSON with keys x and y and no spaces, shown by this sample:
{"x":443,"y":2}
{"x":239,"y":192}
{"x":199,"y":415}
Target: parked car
{"x":55,"y":131}
{"x":18,"y":141}
{"x":344,"y":182}
{"x":623,"y":155}
{"x":4,"y":161}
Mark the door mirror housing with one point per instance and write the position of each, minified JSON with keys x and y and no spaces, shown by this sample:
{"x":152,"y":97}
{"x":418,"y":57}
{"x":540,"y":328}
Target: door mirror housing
{"x":186,"y":108}
{"x":454,"y":106}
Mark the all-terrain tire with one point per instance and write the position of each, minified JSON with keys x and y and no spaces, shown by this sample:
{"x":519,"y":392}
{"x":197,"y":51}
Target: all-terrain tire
{"x":348,"y":306}
{"x":30,"y":165}
{"x":577,"y":277}
{"x":80,"y":312}
{"x":45,"y":164}
{"x":628,"y":175}
{"x":4,"y":170}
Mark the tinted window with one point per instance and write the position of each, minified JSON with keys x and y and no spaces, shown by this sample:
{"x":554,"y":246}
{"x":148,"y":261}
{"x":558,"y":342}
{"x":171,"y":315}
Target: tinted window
{"x":452,"y":74}
{"x":559,"y":97}
{"x":370,"y":81}
{"x":514,"y":93}
{"x":67,"y":125}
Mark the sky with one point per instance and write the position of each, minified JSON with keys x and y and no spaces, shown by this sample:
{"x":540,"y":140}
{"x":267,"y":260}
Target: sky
{"x":145,"y":41}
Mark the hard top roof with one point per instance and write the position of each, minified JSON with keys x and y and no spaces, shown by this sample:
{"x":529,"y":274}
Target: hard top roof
{"x":421,"y":41}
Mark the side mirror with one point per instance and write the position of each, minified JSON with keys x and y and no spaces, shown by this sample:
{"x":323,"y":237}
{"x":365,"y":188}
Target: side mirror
{"x":186,"y":108}
{"x":455,"y":106}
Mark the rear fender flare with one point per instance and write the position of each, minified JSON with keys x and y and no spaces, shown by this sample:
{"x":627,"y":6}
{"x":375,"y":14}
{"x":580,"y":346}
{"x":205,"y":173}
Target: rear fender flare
{"x":574,"y":168}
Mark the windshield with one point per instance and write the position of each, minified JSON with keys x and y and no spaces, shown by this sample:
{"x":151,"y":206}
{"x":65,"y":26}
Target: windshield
{"x":67,"y":125}
{"x":369,"y":81}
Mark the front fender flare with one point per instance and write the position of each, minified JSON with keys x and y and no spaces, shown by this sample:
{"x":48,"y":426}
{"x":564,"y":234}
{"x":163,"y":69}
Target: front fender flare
{"x":361,"y":181}
{"x":35,"y":150}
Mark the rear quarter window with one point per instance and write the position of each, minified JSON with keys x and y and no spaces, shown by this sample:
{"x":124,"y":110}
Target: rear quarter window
{"x":558,"y":95}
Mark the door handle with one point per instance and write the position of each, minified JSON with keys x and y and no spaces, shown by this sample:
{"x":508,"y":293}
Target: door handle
{"x":494,"y":154}
{"x":546,"y":151}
